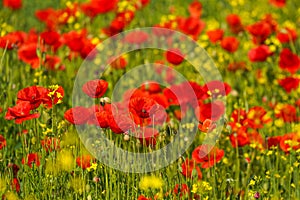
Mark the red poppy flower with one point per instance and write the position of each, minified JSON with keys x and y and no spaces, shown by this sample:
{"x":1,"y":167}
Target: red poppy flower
{"x":27,"y":53}
{"x":121,"y":20}
{"x":212,"y":111}
{"x":151,"y":86}
{"x":188,"y":166}
{"x":32,"y":158}
{"x":234,"y":23}
{"x":147,"y":136}
{"x":216,"y":89}
{"x":287,"y":35}
{"x":20,"y":112}
{"x":239,"y":138}
{"x":51,"y":38}
{"x":75,"y":40}
{"x":96,"y":7}
{"x":286,"y":112}
{"x":102,"y":118}
{"x":15,"y":185}
{"x":77,"y":115}
{"x":35,"y":95}
{"x":13,"y":39}
{"x":174,"y":56}
{"x":120,"y":123}
{"x":84,"y":161}
{"x":207,"y":126}
{"x":142,"y":106}
{"x":259,"y":54}
{"x":273,"y":141}
{"x":207,"y":156}
{"x":269,"y":19}
{"x":289,"y":83}
{"x":260,"y":31}
{"x":13,"y":4}
{"x":191,"y":26}
{"x":278,"y":3}
{"x":50,"y":144}
{"x":2,"y":142}
{"x":119,"y":63}
{"x":195,"y":9}
{"x":182,"y":190}
{"x":95,"y":88}
{"x":215,"y":35}
{"x":289,"y":61}
{"x":238,"y":117}
{"x":142,"y":197}
{"x":257,"y":117}
{"x":88,"y":51}
{"x":136,"y":37}
{"x":49,"y":16}
{"x":230,"y":44}
{"x":289,"y":141}
{"x":53,"y":63}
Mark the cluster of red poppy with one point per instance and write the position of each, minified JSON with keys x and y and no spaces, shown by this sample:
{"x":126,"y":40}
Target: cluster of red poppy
{"x":149,"y":105}
{"x":29,"y":99}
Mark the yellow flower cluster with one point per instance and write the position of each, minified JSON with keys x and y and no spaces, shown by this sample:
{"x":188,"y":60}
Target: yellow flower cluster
{"x":151,"y":182}
{"x":201,"y":187}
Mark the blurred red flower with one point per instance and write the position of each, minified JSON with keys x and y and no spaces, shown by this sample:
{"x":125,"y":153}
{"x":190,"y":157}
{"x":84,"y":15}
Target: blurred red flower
{"x":260,"y":31}
{"x":235,"y":24}
{"x":120,"y":123}
{"x":195,"y":9}
{"x":289,"y":61}
{"x":84,"y":161}
{"x":239,"y":138}
{"x":289,"y":83}
{"x":12,"y":40}
{"x":27,"y":53}
{"x":212,"y":111}
{"x":273,"y":141}
{"x":230,"y":44}
{"x":287,"y":35}
{"x":191,"y":26}
{"x":118,"y":63}
{"x":207,"y":155}
{"x":142,"y":197}
{"x":77,"y":115}
{"x":278,"y":3}
{"x":32,"y":158}
{"x":75,"y":40}
{"x":289,"y":141}
{"x":15,"y":185}
{"x":257,"y":117}
{"x":20,"y":112}
{"x":259,"y":54}
{"x":2,"y":142}
{"x":215,"y":35}
{"x":13,"y":4}
{"x":287,"y":112}
{"x":136,"y":37}
{"x":95,"y":88}
{"x":174,"y":56}
{"x":96,"y":7}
